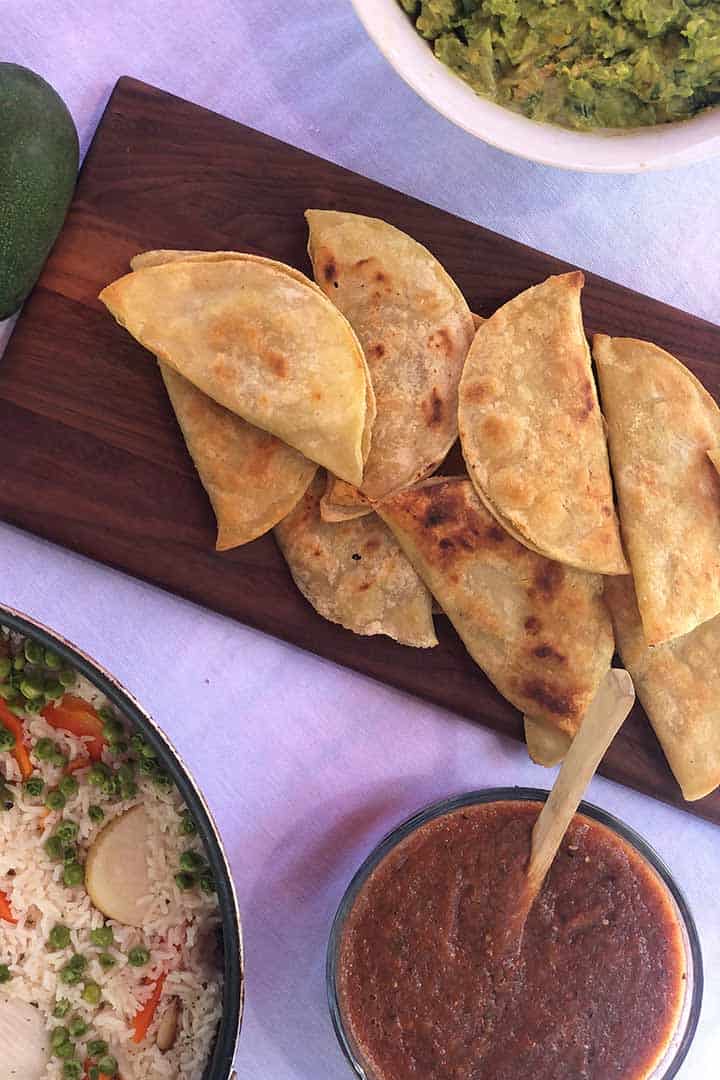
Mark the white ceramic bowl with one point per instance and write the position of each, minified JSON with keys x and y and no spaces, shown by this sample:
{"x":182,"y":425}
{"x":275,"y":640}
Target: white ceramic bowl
{"x":662,"y":147}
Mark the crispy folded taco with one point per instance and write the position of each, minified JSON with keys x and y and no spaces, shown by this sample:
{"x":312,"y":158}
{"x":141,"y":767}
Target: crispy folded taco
{"x":415,"y":328}
{"x":354,"y":573}
{"x":678,"y":684}
{"x":532,"y":432}
{"x":538,"y":629}
{"x":661,"y":424}
{"x":262,"y":343}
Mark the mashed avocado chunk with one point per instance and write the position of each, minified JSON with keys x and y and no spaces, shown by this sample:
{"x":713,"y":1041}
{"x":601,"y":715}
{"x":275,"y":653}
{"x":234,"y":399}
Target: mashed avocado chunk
{"x":581,"y":63}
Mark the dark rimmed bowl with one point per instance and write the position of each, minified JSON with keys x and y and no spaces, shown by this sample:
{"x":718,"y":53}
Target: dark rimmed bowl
{"x":690,"y":1013}
{"x":220,"y":1066}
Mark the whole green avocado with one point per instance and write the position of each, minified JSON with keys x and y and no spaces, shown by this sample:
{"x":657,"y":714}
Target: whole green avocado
{"x":39,"y":156}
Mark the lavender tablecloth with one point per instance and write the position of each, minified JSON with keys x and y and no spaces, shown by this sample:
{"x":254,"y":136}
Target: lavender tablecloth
{"x":305,"y":764}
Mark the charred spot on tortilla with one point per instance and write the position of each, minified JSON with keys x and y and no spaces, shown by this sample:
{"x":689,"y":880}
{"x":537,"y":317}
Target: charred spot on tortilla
{"x":550,"y":699}
{"x":434,"y":408}
{"x":547,"y":652}
{"x":548,"y":578}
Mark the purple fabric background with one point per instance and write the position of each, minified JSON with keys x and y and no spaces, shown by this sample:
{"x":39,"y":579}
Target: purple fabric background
{"x":304,"y":764}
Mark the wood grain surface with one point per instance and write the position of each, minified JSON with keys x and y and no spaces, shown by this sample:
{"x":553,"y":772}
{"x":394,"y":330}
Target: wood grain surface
{"x":92,"y":457}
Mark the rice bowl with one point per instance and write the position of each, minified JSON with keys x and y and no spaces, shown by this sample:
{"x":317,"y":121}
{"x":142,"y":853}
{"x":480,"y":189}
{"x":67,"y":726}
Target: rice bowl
{"x":153,"y":989}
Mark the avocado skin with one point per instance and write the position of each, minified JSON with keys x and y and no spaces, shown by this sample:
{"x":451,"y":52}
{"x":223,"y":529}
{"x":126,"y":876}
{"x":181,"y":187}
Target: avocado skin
{"x":39,"y":157}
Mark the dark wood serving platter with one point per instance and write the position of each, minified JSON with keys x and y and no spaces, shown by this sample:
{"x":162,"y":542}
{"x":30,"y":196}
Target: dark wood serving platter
{"x":92,"y":457}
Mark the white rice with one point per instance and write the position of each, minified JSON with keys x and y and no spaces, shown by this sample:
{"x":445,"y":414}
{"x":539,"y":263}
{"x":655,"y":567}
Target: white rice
{"x":180,"y":931}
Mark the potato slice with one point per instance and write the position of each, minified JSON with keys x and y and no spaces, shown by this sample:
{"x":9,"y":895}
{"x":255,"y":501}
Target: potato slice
{"x":117,"y":877}
{"x":24,"y":1041}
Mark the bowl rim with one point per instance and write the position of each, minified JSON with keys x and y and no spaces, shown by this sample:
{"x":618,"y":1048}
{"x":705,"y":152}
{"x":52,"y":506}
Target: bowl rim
{"x":531,"y":140}
{"x":440,"y":808}
{"x":220,"y":1065}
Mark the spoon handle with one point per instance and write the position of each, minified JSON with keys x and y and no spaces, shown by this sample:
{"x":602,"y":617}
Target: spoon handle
{"x":602,"y":721}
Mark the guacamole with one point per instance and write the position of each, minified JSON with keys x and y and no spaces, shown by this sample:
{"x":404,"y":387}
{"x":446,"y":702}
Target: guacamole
{"x":581,"y":63}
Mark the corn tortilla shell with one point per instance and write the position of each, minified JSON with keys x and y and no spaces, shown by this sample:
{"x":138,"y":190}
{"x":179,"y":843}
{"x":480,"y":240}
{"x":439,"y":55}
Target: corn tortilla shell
{"x":415,"y":328}
{"x":678,"y":684}
{"x":538,"y":629}
{"x":354,"y":573}
{"x":260,"y":342}
{"x":532,"y":433}
{"x":661,"y":424}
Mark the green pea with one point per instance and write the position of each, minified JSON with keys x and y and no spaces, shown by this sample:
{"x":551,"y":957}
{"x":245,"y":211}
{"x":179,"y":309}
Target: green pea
{"x":77,"y":1027}
{"x":147,"y":766}
{"x":96,"y":813}
{"x":185,"y":881}
{"x":98,"y":773}
{"x":44,"y":749}
{"x":33,"y":651}
{"x":54,"y":690}
{"x":55,"y":800}
{"x":70,"y":853}
{"x":73,"y":874}
{"x":65,"y":1050}
{"x":34,"y":786}
{"x":58,"y":1036}
{"x":54,"y":847}
{"x":59,"y":937}
{"x":5,"y":973}
{"x":191,"y":860}
{"x":138,"y":956}
{"x":69,"y":786}
{"x":34,"y":706}
{"x":92,"y":993}
{"x":62,"y":1008}
{"x":32,"y":687}
{"x":67,"y":830}
{"x":96,"y":1048}
{"x":59,"y":760}
{"x":112,"y":728}
{"x":107,"y":1065}
{"x":93,"y":1073}
{"x":72,"y":1070}
{"x":77,"y":962}
{"x":67,"y":677}
{"x":5,"y":667}
{"x":7,"y":739}
{"x":162,"y":780}
{"x":51,"y":659}
{"x":70,"y":975}
{"x":106,"y":960}
{"x":128,"y":790}
{"x":207,"y":883}
{"x":111,"y":787}
{"x":102,"y":936}
{"x":187,"y":824}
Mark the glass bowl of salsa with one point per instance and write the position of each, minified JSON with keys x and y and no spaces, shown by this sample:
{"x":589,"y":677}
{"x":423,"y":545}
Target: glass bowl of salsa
{"x":427,"y":978}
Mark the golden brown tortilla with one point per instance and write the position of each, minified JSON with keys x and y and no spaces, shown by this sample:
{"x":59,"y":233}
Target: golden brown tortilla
{"x":661,"y":424}
{"x":532,"y":432}
{"x":253,"y":480}
{"x":415,"y":329}
{"x":343,"y":502}
{"x":537,"y":628}
{"x":354,"y":573}
{"x":679,"y":686}
{"x":260,"y":342}
{"x":546,"y":744}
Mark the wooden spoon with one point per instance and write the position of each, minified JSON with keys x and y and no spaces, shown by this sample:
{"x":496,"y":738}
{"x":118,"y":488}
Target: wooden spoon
{"x":602,"y":721}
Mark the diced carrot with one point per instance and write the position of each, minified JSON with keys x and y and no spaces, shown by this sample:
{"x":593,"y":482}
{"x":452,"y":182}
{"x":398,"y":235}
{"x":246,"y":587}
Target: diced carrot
{"x":43,"y":816}
{"x":77,"y":764}
{"x":77,"y":716}
{"x":146,"y":1014}
{"x":5,"y":910}
{"x":20,"y":751}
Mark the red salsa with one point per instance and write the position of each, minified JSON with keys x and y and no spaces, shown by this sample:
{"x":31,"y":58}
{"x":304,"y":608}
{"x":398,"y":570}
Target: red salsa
{"x":429,"y":989}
